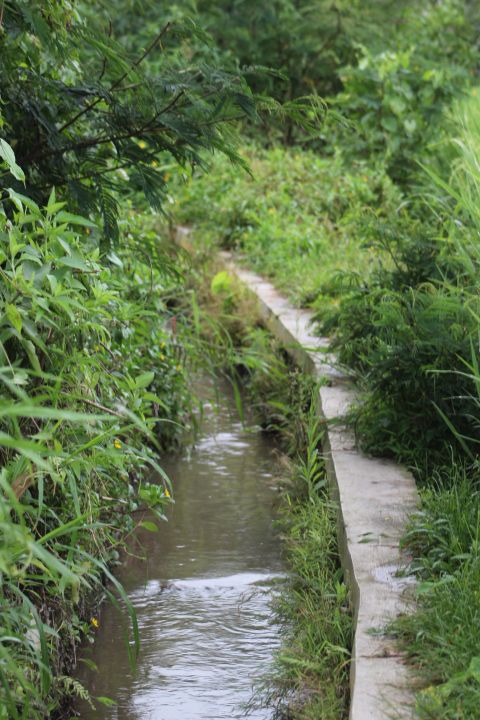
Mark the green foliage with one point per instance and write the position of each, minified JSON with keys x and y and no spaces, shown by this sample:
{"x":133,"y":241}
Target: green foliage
{"x":442,"y":637}
{"x":87,"y":115}
{"x":403,"y":343}
{"x":411,"y":329}
{"x":304,"y":43}
{"x":91,"y":384}
{"x":312,"y":668}
{"x":393,"y":97}
{"x":444,"y":533}
{"x":294,"y":220}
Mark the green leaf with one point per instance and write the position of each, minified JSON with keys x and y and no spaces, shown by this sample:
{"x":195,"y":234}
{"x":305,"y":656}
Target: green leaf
{"x":398,"y":105}
{"x":75,"y":261}
{"x":148,"y":525}
{"x":14,"y":316}
{"x":7,"y":154}
{"x":20,"y":200}
{"x":222,"y":282}
{"x":71,"y":219}
{"x":32,"y":355}
{"x":108,"y":702}
{"x":144,"y":379}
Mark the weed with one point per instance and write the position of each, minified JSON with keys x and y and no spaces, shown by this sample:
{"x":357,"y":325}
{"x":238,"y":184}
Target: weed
{"x":311,"y":675}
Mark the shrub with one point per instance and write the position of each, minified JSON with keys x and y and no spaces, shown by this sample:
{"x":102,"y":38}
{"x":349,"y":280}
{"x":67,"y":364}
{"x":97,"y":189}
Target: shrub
{"x":90,"y":382}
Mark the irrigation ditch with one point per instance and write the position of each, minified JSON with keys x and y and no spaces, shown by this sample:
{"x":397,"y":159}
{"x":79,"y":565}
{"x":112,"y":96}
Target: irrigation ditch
{"x":240,"y":599}
{"x":375,"y":497}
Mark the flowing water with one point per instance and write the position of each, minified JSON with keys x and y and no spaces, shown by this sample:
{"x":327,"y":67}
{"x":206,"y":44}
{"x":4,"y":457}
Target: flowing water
{"x":203,"y":594}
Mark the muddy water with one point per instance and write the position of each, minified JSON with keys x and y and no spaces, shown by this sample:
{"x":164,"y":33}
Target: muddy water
{"x":203,"y":594}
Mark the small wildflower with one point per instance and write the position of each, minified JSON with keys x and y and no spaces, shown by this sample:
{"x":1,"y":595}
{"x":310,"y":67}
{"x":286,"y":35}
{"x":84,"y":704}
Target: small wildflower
{"x":162,"y":357}
{"x":167,"y":177}
{"x":154,"y":163}
{"x":162,"y":346}
{"x":117,"y":444}
{"x":142,"y":144}
{"x":178,"y":368}
{"x":167,"y":493}
{"x":95,"y":622}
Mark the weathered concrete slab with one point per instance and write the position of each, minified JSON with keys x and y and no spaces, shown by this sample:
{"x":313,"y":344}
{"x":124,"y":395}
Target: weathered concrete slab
{"x":375,"y":497}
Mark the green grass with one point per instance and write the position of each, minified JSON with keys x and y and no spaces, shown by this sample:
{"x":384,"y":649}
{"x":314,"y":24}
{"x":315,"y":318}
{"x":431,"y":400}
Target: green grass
{"x":312,"y":669}
{"x":442,"y":636}
{"x":294,"y":219}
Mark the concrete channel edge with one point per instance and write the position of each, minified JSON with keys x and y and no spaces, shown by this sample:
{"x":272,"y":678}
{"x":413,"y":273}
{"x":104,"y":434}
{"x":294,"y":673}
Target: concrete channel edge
{"x":375,"y":497}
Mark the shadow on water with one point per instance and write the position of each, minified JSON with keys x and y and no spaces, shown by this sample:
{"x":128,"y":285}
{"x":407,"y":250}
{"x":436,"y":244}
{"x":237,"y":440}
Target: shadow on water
{"x":203,"y":594}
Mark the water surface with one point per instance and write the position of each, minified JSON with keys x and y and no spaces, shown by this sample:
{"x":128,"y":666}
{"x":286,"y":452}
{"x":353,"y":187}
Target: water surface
{"x":203,"y":593}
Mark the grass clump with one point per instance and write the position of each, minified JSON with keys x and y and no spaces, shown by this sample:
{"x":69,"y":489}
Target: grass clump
{"x":312,"y":668}
{"x":442,"y":637}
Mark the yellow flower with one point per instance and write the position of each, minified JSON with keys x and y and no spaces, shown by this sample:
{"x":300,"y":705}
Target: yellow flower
{"x":95,"y":622}
{"x":178,"y":368}
{"x":167,"y":493}
{"x":161,"y":356}
{"x":162,"y":345}
{"x":117,"y":444}
{"x":154,"y":163}
{"x":142,"y":144}
{"x":167,"y":177}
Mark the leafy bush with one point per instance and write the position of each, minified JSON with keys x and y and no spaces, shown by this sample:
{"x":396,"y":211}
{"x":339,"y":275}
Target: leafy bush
{"x":411,"y":328}
{"x":394,"y":96}
{"x":91,"y":383}
{"x":405,"y":331}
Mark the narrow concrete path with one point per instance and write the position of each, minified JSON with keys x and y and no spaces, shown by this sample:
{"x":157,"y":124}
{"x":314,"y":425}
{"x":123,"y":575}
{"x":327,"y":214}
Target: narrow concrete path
{"x":375,"y":497}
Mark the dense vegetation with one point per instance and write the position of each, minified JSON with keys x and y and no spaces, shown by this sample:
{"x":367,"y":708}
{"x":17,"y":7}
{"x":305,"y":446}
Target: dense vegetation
{"x":367,"y":211}
{"x":376,"y":226}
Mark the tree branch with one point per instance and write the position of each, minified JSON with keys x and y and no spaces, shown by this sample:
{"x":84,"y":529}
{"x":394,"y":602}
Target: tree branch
{"x":119,"y":81}
{"x":93,"y":142}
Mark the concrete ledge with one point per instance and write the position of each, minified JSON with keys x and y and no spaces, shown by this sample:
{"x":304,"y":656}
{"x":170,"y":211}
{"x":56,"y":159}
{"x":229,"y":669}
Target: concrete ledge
{"x":375,"y":497}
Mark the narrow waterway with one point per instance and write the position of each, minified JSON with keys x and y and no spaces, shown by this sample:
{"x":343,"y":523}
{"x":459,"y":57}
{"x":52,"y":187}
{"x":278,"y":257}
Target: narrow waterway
{"x":203,"y":594}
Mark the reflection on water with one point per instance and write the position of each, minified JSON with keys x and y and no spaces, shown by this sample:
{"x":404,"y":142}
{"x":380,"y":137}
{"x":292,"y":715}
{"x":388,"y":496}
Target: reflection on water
{"x":202,"y":596}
